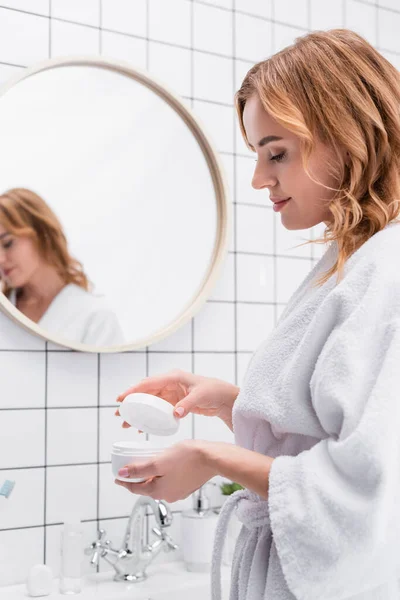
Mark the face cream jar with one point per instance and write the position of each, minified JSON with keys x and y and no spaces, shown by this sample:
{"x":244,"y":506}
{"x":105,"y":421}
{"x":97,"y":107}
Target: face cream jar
{"x":126,"y":453}
{"x":150,"y":414}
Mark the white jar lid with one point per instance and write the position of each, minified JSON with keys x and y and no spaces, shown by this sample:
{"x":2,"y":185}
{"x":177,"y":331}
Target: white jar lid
{"x":149,"y":413}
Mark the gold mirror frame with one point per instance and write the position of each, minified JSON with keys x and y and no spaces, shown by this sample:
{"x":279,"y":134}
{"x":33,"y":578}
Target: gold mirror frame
{"x":224,"y":206}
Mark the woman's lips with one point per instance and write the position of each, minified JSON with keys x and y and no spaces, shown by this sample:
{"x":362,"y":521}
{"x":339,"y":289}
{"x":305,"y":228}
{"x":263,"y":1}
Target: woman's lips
{"x":280,"y":205}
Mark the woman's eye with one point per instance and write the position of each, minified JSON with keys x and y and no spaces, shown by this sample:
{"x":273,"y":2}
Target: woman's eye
{"x":278,"y":157}
{"x":7,"y":245}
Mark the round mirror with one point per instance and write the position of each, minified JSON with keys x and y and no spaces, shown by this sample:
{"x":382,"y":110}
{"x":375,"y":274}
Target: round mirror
{"x":114,"y":216}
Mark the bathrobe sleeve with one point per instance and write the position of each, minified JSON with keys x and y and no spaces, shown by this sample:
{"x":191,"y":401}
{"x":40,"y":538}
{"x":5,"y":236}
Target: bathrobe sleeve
{"x":335,"y":509}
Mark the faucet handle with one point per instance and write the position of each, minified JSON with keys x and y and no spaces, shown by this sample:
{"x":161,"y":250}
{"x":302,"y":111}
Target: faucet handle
{"x":96,"y":548}
{"x":170,"y":544}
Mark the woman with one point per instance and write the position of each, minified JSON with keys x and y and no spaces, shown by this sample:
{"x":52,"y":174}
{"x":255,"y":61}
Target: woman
{"x":40,"y":277}
{"x":317,"y":420}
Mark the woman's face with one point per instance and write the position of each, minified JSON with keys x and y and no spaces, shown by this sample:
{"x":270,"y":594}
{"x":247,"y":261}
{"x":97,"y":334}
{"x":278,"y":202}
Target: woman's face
{"x":19,"y":259}
{"x":279,"y":169}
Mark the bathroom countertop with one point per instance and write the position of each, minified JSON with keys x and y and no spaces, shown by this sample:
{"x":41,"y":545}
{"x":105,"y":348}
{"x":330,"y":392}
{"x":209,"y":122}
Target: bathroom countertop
{"x":166,"y":581}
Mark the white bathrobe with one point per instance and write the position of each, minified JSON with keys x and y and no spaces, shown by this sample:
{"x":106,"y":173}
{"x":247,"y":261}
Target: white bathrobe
{"x":78,"y":315}
{"x":322,"y":396}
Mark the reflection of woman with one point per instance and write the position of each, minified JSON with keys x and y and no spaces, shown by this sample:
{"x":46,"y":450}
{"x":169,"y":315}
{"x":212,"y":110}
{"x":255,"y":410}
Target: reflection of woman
{"x":38,"y":275}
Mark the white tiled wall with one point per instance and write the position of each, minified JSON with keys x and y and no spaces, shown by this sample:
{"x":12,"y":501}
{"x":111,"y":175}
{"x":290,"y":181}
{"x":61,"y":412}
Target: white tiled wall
{"x":56,"y":406}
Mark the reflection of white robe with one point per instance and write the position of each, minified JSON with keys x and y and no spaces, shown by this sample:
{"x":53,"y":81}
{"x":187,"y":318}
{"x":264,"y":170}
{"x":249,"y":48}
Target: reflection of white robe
{"x":78,"y":315}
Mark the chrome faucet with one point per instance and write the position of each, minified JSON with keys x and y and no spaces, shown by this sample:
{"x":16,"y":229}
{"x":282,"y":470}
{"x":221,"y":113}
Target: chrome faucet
{"x":131,"y":561}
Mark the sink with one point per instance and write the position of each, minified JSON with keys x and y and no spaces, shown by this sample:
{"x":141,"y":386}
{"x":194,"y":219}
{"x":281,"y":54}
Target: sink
{"x":166,"y":581}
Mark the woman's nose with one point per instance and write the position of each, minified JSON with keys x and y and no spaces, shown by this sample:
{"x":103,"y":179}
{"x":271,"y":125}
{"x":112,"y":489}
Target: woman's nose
{"x":262,"y":179}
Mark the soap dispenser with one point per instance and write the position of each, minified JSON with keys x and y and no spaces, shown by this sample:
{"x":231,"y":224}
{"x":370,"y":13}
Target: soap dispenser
{"x":198,"y":532}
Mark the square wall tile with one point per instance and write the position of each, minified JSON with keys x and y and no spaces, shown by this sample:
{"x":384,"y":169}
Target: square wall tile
{"x":213,"y":77}
{"x":118,"y":372}
{"x":214,"y":327}
{"x":21,"y":438}
{"x":53,"y":547}
{"x":254,"y":229}
{"x":253,"y":38}
{"x":125,"y":16}
{"x":245,"y":193}
{"x":24,"y":38}
{"x":123,"y":47}
{"x":72,"y":379}
{"x":361,"y":18}
{"x":40,"y":7}
{"x":242,"y":67}
{"x":217,"y":121}
{"x":170,"y":21}
{"x":87,"y":12}
{"x":290,"y":274}
{"x":79,"y":493}
{"x":389,"y":24}
{"x":216,"y":364}
{"x":111,"y":431}
{"x":172,"y":66}
{"x":22,"y":376}
{"x":160,"y":363}
{"x":294,"y":12}
{"x":225,"y":286}
{"x":180,"y":340}
{"x":15,"y":564}
{"x":261,"y":8}
{"x":69,"y":38}
{"x":227,"y":166}
{"x":393,"y":4}
{"x":212,"y":29}
{"x":254,"y":324}
{"x":255,"y":278}
{"x":71,"y":435}
{"x":115,"y":500}
{"x":326,"y":15}
{"x":228,"y":4}
{"x":25,"y":505}
{"x":285,"y":35}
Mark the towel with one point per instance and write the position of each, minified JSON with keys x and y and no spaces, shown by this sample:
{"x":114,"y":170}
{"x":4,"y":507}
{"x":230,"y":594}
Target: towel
{"x":321,"y":395}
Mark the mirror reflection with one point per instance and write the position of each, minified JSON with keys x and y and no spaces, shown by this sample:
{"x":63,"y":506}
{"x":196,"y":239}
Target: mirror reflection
{"x":41,"y":278}
{"x":110,"y":220}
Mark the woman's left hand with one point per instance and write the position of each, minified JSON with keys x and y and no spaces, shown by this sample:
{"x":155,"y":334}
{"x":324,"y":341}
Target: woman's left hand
{"x":171,"y":475}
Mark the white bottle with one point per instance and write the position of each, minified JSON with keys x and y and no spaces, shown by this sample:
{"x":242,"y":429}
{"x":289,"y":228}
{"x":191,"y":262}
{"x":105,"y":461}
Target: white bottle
{"x":198,"y":532}
{"x":71,"y":557}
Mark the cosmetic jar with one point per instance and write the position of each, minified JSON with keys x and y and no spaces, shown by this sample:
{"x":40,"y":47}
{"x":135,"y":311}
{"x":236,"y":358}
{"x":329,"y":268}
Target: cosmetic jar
{"x":150,"y":414}
{"x":126,"y":453}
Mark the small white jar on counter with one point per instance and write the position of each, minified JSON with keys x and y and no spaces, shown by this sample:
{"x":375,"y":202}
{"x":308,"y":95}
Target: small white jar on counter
{"x":150,"y":414}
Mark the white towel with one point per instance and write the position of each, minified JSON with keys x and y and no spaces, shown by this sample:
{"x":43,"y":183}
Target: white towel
{"x":322,"y":396}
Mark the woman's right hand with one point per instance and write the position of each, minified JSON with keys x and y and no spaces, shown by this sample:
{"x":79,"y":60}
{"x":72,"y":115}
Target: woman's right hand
{"x":187,"y":392}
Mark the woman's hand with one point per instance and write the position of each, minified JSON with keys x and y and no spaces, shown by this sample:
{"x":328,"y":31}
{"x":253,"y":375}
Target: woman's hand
{"x":172,"y":475}
{"x":190,"y":393}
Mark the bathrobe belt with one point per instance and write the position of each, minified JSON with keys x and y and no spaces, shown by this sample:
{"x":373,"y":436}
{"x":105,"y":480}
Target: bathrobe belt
{"x":252,"y":511}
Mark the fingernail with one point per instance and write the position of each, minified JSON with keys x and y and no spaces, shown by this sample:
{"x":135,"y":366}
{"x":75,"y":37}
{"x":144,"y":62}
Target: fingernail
{"x":123,"y":472}
{"x":139,"y":430}
{"x":179,"y":411}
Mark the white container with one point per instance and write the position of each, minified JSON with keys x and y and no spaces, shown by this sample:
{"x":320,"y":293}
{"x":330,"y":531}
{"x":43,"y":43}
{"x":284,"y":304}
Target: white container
{"x":125,"y":453}
{"x":198,"y":532}
{"x":71,"y":557}
{"x":149,"y":413}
